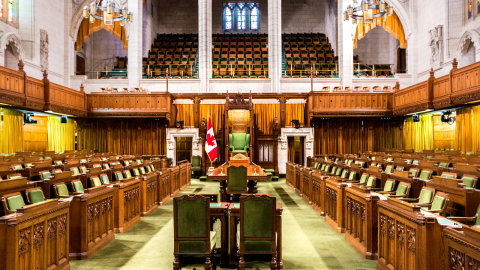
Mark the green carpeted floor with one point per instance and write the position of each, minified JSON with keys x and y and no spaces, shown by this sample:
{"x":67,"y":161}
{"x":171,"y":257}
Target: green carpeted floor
{"x":308,"y":241}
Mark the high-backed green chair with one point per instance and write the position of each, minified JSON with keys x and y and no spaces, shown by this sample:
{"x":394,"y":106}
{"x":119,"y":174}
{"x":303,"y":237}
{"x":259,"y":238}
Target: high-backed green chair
{"x":344,"y":174}
{"x":469,"y":181}
{"x":425,"y":197}
{"x":362,"y":181}
{"x":238,"y":143}
{"x":196,"y":164}
{"x":77,"y":186}
{"x":389,"y":169}
{"x":95,"y":181}
{"x":192,"y":235}
{"x":104,"y":178}
{"x":75,"y":171}
{"x":237,"y":180}
{"x":323,"y":167}
{"x":11,"y":202}
{"x":444,"y":165}
{"x":439,"y":204}
{"x":257,"y":233}
{"x":339,"y":171}
{"x":142,"y":170}
{"x":475,"y":220}
{"x":119,"y":176}
{"x":425,"y":175}
{"x":45,"y":175}
{"x":403,"y":189}
{"x":413,"y":172}
{"x":35,"y":195}
{"x":61,"y":190}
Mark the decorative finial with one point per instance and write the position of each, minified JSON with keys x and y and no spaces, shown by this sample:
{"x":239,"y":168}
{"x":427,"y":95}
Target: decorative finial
{"x":432,"y":73}
{"x":81,"y":88}
{"x":20,"y":65}
{"x":45,"y":74}
{"x":455,"y":63}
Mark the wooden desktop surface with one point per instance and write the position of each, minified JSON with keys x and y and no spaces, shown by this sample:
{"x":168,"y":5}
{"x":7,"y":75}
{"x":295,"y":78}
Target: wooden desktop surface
{"x":254,"y":172}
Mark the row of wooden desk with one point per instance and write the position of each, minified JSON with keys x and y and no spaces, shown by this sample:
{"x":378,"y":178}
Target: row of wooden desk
{"x":396,"y":233}
{"x":229,"y":215}
{"x":49,"y":234}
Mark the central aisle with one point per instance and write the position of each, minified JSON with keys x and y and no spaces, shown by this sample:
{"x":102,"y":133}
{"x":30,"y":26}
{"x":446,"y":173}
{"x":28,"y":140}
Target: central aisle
{"x":308,"y":241}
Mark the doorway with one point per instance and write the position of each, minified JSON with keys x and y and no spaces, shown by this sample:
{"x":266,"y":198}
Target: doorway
{"x":296,"y":146}
{"x":80,"y":70}
{"x":184,"y":149}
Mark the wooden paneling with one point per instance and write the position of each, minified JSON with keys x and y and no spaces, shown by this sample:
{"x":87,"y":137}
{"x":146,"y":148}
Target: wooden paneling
{"x":34,"y":93}
{"x":466,"y":84}
{"x":441,"y":91}
{"x":65,"y":100}
{"x":12,"y":86}
{"x":35,"y":136}
{"x":415,"y":98}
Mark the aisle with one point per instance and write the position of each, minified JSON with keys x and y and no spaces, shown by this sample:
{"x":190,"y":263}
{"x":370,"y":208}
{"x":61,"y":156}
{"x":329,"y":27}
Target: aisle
{"x":308,"y":241}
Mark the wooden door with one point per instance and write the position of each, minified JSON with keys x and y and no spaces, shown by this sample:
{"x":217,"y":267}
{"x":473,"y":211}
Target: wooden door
{"x":295,"y":150}
{"x":401,"y":61}
{"x":80,"y":70}
{"x":184,"y":148}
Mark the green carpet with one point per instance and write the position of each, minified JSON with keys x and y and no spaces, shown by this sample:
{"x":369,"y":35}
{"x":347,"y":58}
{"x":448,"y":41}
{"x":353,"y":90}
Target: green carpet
{"x":308,"y":241}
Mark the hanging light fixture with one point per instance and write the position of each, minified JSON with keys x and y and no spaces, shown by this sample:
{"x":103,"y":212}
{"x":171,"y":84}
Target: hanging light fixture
{"x":107,"y":12}
{"x":365,"y":11}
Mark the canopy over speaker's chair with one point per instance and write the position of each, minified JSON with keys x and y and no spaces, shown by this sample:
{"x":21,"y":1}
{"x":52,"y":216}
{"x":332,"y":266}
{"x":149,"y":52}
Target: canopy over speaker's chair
{"x":239,"y":143}
{"x":192,"y":235}
{"x":257,"y":228}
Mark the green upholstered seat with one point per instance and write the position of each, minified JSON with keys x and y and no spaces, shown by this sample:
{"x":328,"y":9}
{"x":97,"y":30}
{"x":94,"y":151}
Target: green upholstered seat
{"x":35,"y":196}
{"x":401,"y":190}
{"x":149,"y":169}
{"x":443,"y":165}
{"x":338,"y":172}
{"x":270,"y":171}
{"x":83,"y":161}
{"x":398,"y":168}
{"x":83,"y":169}
{"x":136,"y":172}
{"x":275,"y":178}
{"x":316,"y":165}
{"x":139,"y":161}
{"x":438,"y":203}
{"x":142,"y":170}
{"x":334,"y":170}
{"x":62,"y":190}
{"x":352,"y":176}
{"x":415,"y":162}
{"x":152,"y":167}
{"x":448,"y":175}
{"x":389,"y":185}
{"x":237,"y":179}
{"x":323,"y":167}
{"x":344,"y":174}
{"x":105,"y":179}
{"x":14,"y":202}
{"x":256,"y":246}
{"x":96,"y":181}
{"x":239,"y":142}
{"x":46,"y":175}
{"x":425,"y":175}
{"x":389,"y":169}
{"x":425,"y":196}
{"x":119,"y":176}
{"x":327,"y":168}
{"x":75,"y":171}
{"x":197,"y":246}
{"x":78,"y":186}
{"x":414,"y":172}
{"x":468,"y":181}
{"x":18,"y":167}
{"x":127,"y":163}
{"x":196,"y":163}
{"x":106,"y":166}
{"x":128,"y":174}
{"x":363,"y":179}
{"x":373,"y":164}
{"x":371,"y":181}
{"x":58,"y":162}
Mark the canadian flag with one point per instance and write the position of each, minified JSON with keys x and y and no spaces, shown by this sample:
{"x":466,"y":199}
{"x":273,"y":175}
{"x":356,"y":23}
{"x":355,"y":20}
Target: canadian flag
{"x":211,"y":143}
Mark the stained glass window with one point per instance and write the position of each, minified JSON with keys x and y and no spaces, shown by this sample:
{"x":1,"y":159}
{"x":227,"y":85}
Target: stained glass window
{"x":228,"y":18}
{"x":1,"y":8}
{"x":478,"y":8}
{"x":241,"y":19}
{"x":470,"y":9}
{"x":254,"y":18}
{"x":10,"y":10}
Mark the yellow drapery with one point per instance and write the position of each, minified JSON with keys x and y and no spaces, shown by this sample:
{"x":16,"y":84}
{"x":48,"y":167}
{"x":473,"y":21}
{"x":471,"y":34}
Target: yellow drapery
{"x":295,"y":112}
{"x":392,"y":25}
{"x":12,"y":132}
{"x":418,"y":135}
{"x":87,"y":29}
{"x":185,"y":112}
{"x":61,"y":137}
{"x":215,"y":111}
{"x":266,"y":116}
{"x":467,"y":129}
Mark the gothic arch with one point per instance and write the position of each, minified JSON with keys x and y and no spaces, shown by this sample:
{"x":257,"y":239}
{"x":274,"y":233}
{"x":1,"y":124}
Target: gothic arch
{"x":403,"y":16}
{"x":469,"y":36}
{"x":14,"y":40}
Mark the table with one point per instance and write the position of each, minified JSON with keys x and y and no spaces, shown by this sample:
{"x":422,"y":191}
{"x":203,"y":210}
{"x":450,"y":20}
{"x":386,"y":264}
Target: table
{"x":219,"y":210}
{"x":254,"y":173}
{"x":234,"y":213}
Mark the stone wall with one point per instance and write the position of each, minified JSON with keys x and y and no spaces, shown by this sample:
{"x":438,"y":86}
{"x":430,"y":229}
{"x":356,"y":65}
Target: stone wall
{"x":303,"y":16}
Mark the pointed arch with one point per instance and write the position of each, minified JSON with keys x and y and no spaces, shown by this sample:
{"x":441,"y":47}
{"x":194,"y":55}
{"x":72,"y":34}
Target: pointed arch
{"x":469,"y":36}
{"x":15,"y":40}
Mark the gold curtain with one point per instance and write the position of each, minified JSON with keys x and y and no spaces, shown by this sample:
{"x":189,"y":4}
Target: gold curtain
{"x":266,"y":116}
{"x":61,"y":137}
{"x":215,"y":111}
{"x":185,"y":112}
{"x":467,"y":130}
{"x":295,"y":112}
{"x":12,"y":132}
{"x":87,"y":29}
{"x":392,"y":25}
{"x":418,"y":135}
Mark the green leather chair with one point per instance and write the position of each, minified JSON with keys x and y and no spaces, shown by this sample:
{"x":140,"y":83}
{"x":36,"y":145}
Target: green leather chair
{"x":119,"y":176}
{"x":95,"y":181}
{"x":106,"y":166}
{"x":362,"y":181}
{"x":438,"y":205}
{"x":142,"y":170}
{"x":475,"y":220}
{"x":196,"y":164}
{"x":104,"y":179}
{"x":344,"y":174}
{"x":238,"y":143}
{"x":61,"y":190}
{"x":237,"y":180}
{"x":83,"y":169}
{"x":257,"y":233}
{"x":149,"y":169}
{"x":425,"y":197}
{"x":449,"y":175}
{"x":415,"y":162}
{"x":425,"y":175}
{"x":470,"y":181}
{"x":444,"y":165}
{"x":413,"y":172}
{"x":389,"y":169}
{"x":77,"y":186}
{"x":192,"y":235}
{"x":136,"y":172}
{"x":75,"y":171}
{"x":323,"y":167}
{"x":403,"y":189}
{"x":35,"y":195}
{"x":11,"y":202}
{"x":45,"y":175}
{"x":128,"y":174}
{"x":339,"y":171}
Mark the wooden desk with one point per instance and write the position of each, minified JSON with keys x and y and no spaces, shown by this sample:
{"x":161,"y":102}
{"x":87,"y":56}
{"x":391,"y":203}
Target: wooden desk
{"x":148,"y":193}
{"x":164,"y":189}
{"x":174,"y":181}
{"x":463,"y":247}
{"x":234,"y":213}
{"x":185,"y":175}
{"x":36,"y":237}
{"x":219,"y":210}
{"x":126,"y":204}
{"x":93,"y":216}
{"x":254,"y":174}
{"x":362,"y":221}
{"x":63,"y":177}
{"x":335,"y":203}
{"x":318,"y":192}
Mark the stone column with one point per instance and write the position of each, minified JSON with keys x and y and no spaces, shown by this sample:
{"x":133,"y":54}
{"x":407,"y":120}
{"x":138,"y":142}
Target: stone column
{"x":412,"y":51}
{"x":275,"y":44}
{"x":135,"y":42}
{"x":204,"y":44}
{"x":345,"y":45}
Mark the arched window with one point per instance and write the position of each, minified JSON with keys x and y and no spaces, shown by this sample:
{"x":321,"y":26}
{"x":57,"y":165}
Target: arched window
{"x":240,"y":16}
{"x":9,"y":12}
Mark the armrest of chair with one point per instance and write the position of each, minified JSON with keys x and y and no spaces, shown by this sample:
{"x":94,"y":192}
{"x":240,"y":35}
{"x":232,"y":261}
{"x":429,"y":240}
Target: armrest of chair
{"x":387,"y":192}
{"x":231,"y":148}
{"x":245,"y":148}
{"x":464,"y":219}
{"x":423,"y":204}
{"x":434,"y":211}
{"x":353,"y":181}
{"x":410,"y":199}
{"x":396,"y":196}
{"x":376,"y":189}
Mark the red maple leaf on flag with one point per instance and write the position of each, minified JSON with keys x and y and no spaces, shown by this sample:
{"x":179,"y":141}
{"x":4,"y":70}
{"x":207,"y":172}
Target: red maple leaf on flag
{"x":210,"y":140}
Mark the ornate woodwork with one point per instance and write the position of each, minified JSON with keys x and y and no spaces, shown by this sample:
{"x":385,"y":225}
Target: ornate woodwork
{"x":126,"y":204}
{"x":336,"y":206}
{"x":462,"y":249}
{"x":149,"y":186}
{"x":164,"y":180}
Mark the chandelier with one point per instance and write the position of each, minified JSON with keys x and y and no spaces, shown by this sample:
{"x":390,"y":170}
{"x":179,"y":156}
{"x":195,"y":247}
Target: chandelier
{"x":107,"y":12}
{"x":365,"y":13}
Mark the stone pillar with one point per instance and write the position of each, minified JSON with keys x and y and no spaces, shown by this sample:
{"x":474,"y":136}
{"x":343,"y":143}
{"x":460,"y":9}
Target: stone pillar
{"x":135,"y":41}
{"x":412,"y":51}
{"x":345,"y":45}
{"x":275,"y":44}
{"x":204,"y":44}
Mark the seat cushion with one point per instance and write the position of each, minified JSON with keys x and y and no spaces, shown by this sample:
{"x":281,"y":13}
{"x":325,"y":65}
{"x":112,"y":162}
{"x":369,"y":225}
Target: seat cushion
{"x":388,"y":186}
{"x":62,"y":190}
{"x":105,"y":179}
{"x":401,"y":190}
{"x":14,"y":202}
{"x":78,"y":186}
{"x":35,"y":196}
{"x":438,"y":203}
{"x":275,"y":178}
{"x":96,"y":181}
{"x":195,"y":168}
{"x":255,"y":246}
{"x":425,"y":196}
{"x":425,"y":175}
{"x":448,"y":175}
{"x":46,"y":175}
{"x":191,"y":247}
{"x":270,"y":170}
{"x":468,"y":181}
{"x":371,"y":181}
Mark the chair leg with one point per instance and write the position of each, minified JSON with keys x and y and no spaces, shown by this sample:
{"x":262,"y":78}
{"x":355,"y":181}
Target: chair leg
{"x":214,"y":258}
{"x":241,"y":262}
{"x":176,"y":263}
{"x":208,"y":263}
{"x":273,"y":263}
